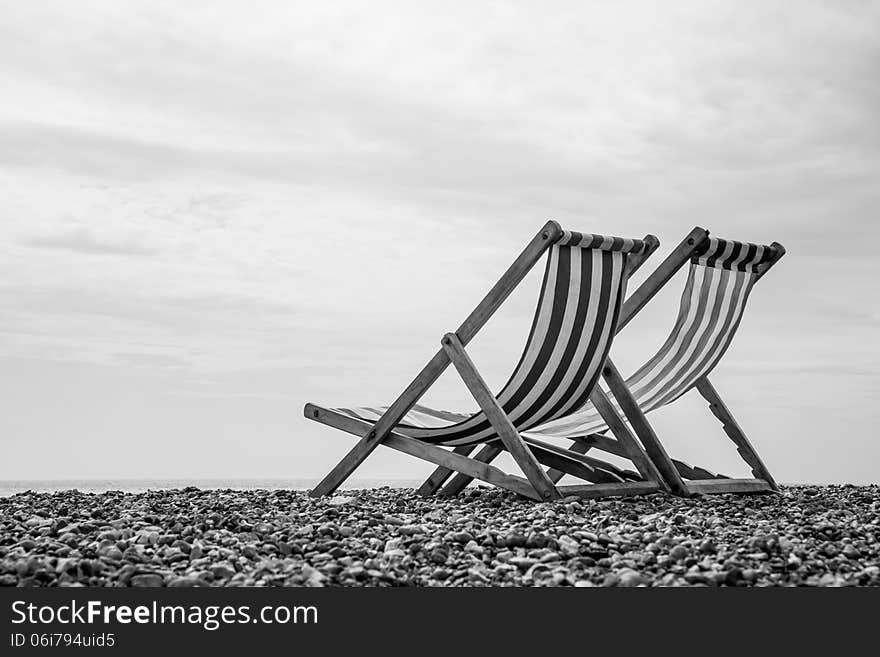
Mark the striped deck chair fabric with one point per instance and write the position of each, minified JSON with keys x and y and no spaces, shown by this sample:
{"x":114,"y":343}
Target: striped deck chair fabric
{"x":720,"y":278}
{"x":574,"y":323}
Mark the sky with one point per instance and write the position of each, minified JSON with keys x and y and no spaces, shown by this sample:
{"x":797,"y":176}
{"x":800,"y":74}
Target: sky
{"x":213,"y":213}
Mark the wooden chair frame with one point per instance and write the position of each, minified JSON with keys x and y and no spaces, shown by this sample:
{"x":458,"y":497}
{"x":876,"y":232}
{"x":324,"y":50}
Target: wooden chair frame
{"x":674,"y":472}
{"x":529,"y":455}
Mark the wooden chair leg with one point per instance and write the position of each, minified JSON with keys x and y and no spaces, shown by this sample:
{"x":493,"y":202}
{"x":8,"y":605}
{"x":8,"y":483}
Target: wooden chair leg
{"x":625,"y":439}
{"x":395,"y":413}
{"x":498,"y":418}
{"x":460,"y":481}
{"x":735,"y":432}
{"x":579,"y":447}
{"x":433,"y":483}
{"x":643,"y":429}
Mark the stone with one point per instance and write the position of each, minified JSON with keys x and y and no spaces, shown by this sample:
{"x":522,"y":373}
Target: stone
{"x":462,"y":537}
{"x":629,"y":577}
{"x":851,"y":552}
{"x":733,"y":576}
{"x":312,"y":576}
{"x":568,"y":546}
{"x":222,"y":571}
{"x":438,"y":556}
{"x":679,"y":552}
{"x":550,"y":557}
{"x":536,"y":540}
{"x":393,"y":544}
{"x":611,"y":579}
{"x":147,"y":580}
{"x":173,"y":555}
{"x":184,"y":582}
{"x":523,"y":563}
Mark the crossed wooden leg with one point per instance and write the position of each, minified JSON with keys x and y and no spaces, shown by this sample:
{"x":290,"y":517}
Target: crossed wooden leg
{"x":563,"y":462}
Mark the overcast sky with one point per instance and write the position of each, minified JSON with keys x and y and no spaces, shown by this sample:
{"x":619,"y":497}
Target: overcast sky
{"x":213,"y":214}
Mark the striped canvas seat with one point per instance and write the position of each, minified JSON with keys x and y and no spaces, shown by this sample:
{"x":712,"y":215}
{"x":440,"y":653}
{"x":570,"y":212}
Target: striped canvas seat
{"x":720,"y":278}
{"x":571,"y":333}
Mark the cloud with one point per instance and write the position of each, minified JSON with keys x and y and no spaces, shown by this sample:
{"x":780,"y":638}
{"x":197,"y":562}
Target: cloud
{"x":83,"y":240}
{"x":151,"y":360}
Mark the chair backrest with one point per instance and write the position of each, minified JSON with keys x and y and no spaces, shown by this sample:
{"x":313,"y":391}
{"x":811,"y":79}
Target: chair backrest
{"x":575,"y":320}
{"x":721,"y":276}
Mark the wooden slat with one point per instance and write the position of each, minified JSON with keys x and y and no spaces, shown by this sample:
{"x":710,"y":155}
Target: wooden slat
{"x":460,"y":481}
{"x":603,"y":443}
{"x":573,"y":466}
{"x":433,"y":483}
{"x":578,"y":447}
{"x":687,"y":471}
{"x":713,"y":486}
{"x":618,"y":427}
{"x":604,"y":490}
{"x":498,"y":418}
{"x":634,"y":262}
{"x":734,"y":432}
{"x":549,"y":234}
{"x":778,"y":252}
{"x":598,"y":464}
{"x":426,"y":451}
{"x":642,"y":428}
{"x":667,"y":269}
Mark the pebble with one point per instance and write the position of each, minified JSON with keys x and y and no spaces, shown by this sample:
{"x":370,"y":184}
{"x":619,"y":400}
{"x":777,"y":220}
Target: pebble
{"x":147,"y":580}
{"x":523,"y":563}
{"x":630,"y":577}
{"x":679,"y":552}
{"x":568,"y":546}
{"x":462,"y":537}
{"x":807,"y":535}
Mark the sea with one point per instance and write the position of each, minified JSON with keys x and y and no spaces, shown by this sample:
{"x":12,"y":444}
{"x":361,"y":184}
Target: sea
{"x":11,"y":487}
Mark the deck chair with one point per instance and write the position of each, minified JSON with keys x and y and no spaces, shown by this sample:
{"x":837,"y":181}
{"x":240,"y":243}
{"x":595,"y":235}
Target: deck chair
{"x":721,"y":276}
{"x":578,"y":308}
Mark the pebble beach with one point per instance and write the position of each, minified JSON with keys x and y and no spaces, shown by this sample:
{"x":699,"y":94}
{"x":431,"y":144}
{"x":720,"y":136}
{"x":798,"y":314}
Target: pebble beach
{"x":804,"y":536}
